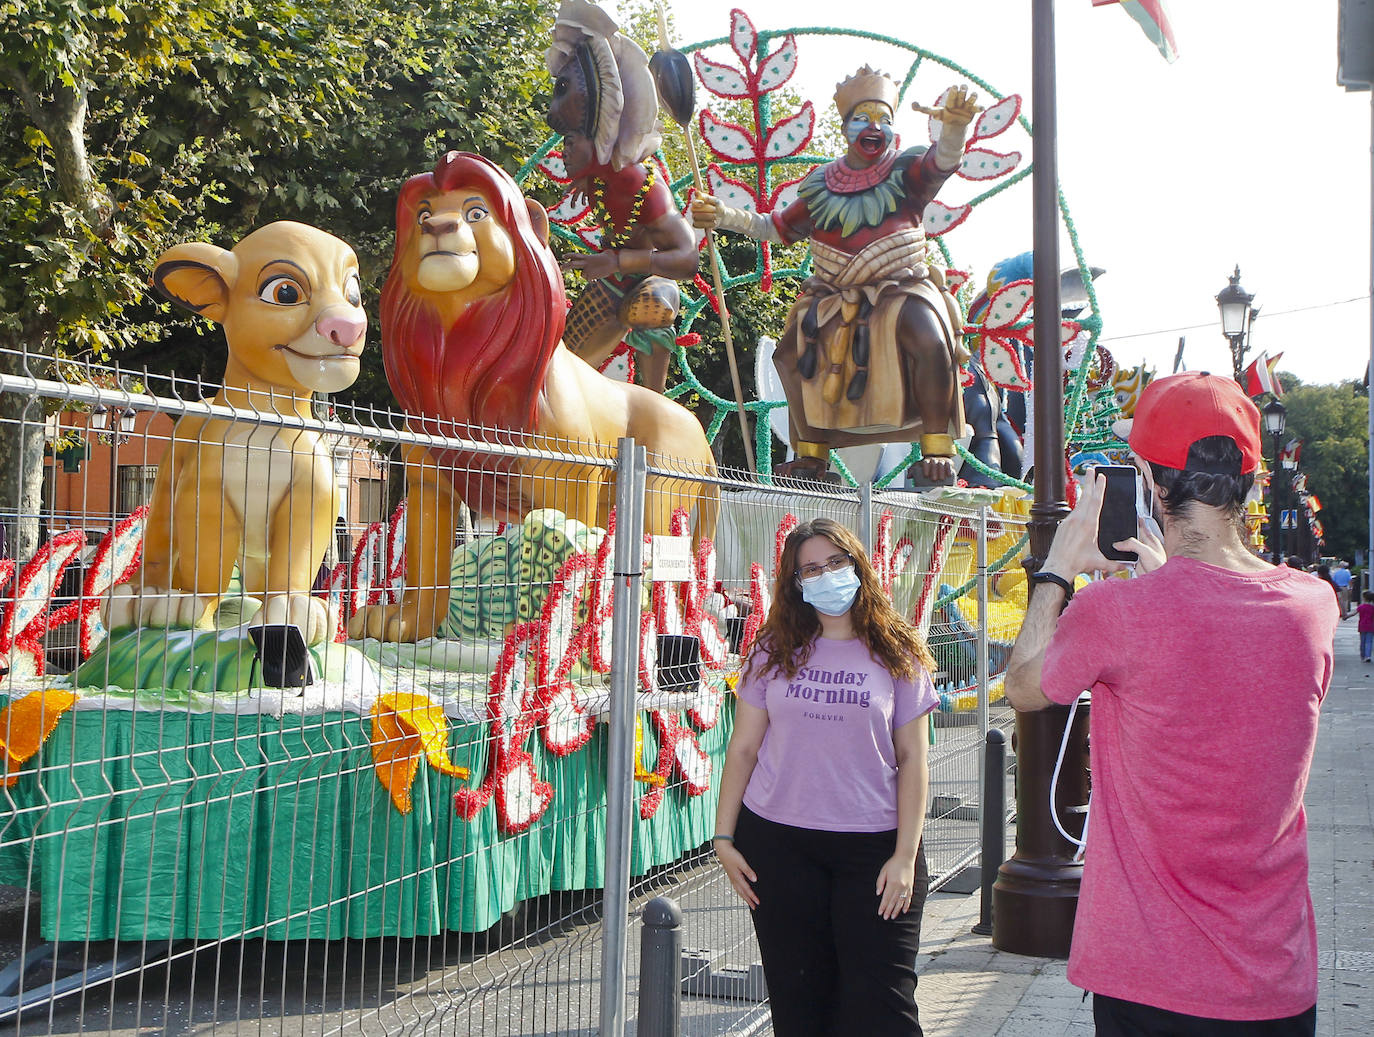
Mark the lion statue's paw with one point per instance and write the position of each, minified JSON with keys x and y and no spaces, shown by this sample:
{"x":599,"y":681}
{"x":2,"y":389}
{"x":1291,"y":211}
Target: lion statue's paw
{"x":131,"y":606}
{"x":391,"y":623}
{"x":314,"y":616}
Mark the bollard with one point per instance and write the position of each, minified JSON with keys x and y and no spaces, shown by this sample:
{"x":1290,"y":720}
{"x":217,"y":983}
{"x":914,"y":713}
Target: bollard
{"x":660,"y":961}
{"x":994,"y":824}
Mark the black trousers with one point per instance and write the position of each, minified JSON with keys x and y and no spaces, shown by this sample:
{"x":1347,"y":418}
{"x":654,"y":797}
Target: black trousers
{"x":1117,"y":1018}
{"x":834,"y":966}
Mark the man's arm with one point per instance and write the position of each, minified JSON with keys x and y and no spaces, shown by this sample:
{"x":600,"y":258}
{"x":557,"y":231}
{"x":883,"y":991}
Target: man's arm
{"x":1073,"y":551}
{"x":1022,"y":685}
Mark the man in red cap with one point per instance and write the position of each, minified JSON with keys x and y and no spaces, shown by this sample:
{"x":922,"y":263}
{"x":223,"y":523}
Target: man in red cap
{"x":1194,"y":915}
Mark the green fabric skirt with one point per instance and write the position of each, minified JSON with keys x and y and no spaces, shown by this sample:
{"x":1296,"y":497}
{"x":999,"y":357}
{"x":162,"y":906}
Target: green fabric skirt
{"x":174,"y":825}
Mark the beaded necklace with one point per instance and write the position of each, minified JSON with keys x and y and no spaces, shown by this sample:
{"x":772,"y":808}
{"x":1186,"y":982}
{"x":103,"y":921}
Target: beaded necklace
{"x":618,"y":239}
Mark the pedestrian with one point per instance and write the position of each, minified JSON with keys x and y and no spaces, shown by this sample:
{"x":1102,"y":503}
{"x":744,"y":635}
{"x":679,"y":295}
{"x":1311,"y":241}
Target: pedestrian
{"x":1324,"y":574}
{"x":1365,"y":609}
{"x":1340,"y":576}
{"x":1194,"y":915}
{"x":823,"y":796}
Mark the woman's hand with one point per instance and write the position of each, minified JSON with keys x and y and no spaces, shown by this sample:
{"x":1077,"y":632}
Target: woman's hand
{"x":896,"y":886}
{"x":739,"y":873}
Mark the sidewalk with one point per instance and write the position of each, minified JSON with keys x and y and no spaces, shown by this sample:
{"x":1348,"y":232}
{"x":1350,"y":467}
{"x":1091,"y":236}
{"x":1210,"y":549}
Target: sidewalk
{"x":968,"y":989}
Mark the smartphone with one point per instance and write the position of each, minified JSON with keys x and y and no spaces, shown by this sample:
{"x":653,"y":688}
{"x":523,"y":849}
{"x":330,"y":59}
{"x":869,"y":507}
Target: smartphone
{"x":1118,"y":519}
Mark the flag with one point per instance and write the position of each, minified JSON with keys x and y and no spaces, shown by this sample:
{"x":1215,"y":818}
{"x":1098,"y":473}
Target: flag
{"x":1288,"y":457}
{"x":1261,"y":376}
{"x":1154,"y":22}
{"x":1314,"y":502}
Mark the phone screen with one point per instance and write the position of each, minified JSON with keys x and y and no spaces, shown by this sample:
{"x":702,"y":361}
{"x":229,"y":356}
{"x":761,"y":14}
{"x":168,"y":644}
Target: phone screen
{"x":1118,"y":520}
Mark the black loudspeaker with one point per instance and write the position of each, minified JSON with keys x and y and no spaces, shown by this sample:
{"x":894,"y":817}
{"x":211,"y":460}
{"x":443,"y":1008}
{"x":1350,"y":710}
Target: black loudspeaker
{"x":679,"y":662}
{"x":734,"y":632}
{"x":282,"y":655}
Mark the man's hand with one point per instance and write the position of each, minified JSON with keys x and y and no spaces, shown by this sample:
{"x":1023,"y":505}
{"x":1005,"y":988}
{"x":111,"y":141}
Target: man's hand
{"x":1074,"y":549}
{"x":958,"y":110}
{"x":595,"y":266}
{"x":707,"y":211}
{"x":1148,"y":547}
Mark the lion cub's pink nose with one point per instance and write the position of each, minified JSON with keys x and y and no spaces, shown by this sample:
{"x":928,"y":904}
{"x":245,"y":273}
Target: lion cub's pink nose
{"x":342,"y":329}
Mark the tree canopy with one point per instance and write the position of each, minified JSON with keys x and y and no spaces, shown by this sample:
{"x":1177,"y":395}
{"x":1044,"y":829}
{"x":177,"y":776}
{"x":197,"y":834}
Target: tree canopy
{"x":126,"y":127}
{"x":1332,"y":423}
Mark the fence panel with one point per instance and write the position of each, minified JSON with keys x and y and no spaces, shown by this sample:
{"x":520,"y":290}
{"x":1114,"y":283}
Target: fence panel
{"x":193,"y":833}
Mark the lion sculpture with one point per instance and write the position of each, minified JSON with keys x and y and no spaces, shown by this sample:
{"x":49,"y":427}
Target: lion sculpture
{"x":253,"y":494}
{"x":472,"y":313}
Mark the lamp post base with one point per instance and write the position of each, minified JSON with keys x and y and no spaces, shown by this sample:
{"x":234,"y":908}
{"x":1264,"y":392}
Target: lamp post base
{"x":1033,"y":906}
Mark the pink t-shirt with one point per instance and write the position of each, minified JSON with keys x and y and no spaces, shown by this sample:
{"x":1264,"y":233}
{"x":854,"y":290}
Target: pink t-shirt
{"x":827,"y":761}
{"x":1206,"y":686}
{"x":1366,"y":620}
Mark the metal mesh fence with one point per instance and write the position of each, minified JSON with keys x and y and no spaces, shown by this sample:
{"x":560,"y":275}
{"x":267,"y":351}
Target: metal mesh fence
{"x":293,"y":736}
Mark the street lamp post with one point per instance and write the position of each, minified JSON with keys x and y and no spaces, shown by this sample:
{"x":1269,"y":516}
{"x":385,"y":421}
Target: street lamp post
{"x":1274,"y":416}
{"x":113,"y":426}
{"x":1237,"y":317}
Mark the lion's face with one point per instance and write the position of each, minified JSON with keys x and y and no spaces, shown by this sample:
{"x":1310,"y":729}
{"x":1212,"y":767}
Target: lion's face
{"x":459,"y":251}
{"x":289,"y":299}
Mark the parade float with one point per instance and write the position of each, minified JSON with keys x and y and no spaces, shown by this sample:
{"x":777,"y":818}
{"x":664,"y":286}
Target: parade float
{"x":411,"y":744}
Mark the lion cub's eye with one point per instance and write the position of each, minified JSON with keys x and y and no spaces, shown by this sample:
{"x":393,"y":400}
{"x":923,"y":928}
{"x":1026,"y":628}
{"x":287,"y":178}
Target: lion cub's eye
{"x":283,"y":291}
{"x":475,"y":214}
{"x":353,"y":292}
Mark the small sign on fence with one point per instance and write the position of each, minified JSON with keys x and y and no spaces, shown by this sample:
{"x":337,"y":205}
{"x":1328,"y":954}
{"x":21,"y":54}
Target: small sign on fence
{"x":672,"y":559}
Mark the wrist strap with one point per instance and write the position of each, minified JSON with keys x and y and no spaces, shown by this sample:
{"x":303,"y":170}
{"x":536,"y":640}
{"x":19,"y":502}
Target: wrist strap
{"x":727,"y":838}
{"x":1041,"y":576}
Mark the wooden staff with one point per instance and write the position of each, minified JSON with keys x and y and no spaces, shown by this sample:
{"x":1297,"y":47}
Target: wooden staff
{"x":677,"y":91}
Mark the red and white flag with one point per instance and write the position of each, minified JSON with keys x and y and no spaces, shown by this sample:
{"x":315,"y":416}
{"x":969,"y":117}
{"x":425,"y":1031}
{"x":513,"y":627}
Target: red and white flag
{"x":1154,"y":22}
{"x":1261,"y":376}
{"x":1289,"y":455}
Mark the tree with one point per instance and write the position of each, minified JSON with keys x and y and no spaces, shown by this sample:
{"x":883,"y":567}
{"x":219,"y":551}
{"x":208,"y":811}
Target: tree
{"x":1332,"y":423}
{"x":125,"y":127}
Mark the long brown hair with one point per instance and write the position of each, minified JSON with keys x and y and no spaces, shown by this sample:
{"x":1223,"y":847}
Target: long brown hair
{"x":786,"y":636}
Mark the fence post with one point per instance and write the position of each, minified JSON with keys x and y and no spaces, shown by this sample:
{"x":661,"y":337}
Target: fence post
{"x":629,"y":543}
{"x":866,"y":516}
{"x":982,"y":656}
{"x":993,"y":808}
{"x":660,"y":963}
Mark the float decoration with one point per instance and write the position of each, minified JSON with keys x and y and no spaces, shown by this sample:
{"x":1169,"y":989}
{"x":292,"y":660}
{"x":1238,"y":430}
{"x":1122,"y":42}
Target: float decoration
{"x":406,"y":727}
{"x":28,"y":616}
{"x":25,"y":725}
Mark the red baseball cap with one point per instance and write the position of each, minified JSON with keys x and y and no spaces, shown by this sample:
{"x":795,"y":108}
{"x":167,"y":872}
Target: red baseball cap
{"x":1176,"y":411}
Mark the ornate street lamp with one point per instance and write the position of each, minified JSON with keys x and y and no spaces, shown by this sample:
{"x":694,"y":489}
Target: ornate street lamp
{"x":1273,"y":417}
{"x":114,"y":427}
{"x":1237,"y":316}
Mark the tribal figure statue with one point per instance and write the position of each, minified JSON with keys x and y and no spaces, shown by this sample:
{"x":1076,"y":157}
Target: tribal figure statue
{"x":871,"y":351}
{"x":605,"y":105}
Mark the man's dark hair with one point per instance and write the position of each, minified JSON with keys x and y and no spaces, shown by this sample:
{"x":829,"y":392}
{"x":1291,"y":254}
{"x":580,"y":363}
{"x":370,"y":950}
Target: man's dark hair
{"x":1212,"y":477}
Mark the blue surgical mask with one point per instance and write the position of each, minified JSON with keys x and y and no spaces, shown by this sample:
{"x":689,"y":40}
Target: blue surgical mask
{"x":832,"y":593}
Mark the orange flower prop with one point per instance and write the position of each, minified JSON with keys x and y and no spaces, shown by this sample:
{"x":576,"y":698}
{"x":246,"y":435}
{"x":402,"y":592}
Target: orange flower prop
{"x":404,"y":728}
{"x":25,"y":725}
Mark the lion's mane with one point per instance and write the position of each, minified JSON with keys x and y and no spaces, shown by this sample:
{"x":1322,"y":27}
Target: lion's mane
{"x":489,"y":368}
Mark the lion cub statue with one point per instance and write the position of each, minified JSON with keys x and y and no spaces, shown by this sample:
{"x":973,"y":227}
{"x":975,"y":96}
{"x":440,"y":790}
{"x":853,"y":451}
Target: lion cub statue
{"x":258,"y":495}
{"x":473,"y":312}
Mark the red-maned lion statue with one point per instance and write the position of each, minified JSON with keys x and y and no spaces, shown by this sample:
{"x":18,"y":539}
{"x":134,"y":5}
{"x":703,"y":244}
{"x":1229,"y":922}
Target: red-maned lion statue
{"x":472,"y":326}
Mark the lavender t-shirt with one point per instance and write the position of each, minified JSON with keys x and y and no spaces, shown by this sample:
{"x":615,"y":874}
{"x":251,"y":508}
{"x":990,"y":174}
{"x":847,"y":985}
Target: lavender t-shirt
{"x":827,"y":761}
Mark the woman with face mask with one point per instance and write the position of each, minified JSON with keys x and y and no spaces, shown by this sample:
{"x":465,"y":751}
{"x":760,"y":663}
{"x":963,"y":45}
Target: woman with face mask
{"x":823,"y":796}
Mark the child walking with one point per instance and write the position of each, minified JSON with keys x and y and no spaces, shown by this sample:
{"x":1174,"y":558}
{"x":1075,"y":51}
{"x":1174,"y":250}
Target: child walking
{"x":1366,"y":620}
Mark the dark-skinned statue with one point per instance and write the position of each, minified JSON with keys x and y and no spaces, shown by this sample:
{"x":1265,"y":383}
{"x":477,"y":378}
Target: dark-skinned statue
{"x":871,"y":351}
{"x":606,"y":107}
